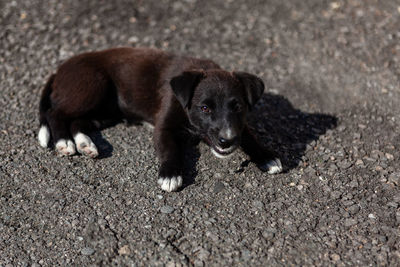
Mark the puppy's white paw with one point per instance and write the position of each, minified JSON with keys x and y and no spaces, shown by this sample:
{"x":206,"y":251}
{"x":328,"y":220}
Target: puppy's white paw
{"x":272,"y":166}
{"x":65,"y":147}
{"x":85,"y":146}
{"x":44,"y":136}
{"x":170,"y":184}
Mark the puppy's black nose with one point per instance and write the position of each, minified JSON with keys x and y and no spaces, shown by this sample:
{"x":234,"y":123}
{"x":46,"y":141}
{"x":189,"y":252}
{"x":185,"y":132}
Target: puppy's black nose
{"x":225,"y":143}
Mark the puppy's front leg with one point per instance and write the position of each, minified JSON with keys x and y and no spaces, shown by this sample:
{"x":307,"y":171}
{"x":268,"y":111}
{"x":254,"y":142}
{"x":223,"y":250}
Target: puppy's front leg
{"x":170,"y":155}
{"x":266,"y":160}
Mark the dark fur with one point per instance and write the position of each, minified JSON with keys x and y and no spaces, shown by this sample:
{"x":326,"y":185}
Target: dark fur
{"x":93,"y":89}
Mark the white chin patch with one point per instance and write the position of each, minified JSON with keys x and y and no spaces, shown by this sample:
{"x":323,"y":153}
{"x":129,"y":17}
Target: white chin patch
{"x":170,"y":184}
{"x":220,"y":156}
{"x":85,"y":146}
{"x":44,"y":136}
{"x":272,"y":166}
{"x":65,"y":147}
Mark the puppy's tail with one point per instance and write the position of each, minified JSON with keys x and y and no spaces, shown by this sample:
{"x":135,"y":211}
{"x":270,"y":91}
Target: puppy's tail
{"x":44,"y":105}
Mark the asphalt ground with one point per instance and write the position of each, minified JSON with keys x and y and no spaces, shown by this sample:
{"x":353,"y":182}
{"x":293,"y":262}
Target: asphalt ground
{"x":330,"y":108}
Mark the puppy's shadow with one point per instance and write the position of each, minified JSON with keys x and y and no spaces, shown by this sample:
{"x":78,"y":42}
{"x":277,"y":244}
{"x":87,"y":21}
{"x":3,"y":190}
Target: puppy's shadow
{"x":191,"y":156}
{"x":104,"y":147}
{"x":287,"y":130}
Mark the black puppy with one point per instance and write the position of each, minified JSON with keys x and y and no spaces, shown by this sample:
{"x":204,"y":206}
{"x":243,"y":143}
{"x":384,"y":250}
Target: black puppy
{"x":181,"y":96}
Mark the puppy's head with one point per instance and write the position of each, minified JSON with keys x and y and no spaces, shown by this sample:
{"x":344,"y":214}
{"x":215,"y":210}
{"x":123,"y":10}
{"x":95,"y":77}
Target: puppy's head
{"x":216,"y":103}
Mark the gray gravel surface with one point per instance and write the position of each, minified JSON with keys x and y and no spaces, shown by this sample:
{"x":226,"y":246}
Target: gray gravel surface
{"x":331,"y":108}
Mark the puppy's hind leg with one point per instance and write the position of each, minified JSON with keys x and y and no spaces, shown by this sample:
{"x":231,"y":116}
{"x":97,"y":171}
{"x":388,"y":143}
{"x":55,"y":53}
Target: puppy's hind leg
{"x":80,"y":129}
{"x":60,"y":132}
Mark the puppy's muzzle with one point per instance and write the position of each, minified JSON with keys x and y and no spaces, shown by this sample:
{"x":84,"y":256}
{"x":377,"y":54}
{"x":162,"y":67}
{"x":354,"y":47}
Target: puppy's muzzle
{"x":224,"y":147}
{"x":227,"y":137}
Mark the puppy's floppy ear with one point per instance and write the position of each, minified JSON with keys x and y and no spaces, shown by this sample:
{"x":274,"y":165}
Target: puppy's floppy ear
{"x":183,"y":86}
{"x":254,"y":86}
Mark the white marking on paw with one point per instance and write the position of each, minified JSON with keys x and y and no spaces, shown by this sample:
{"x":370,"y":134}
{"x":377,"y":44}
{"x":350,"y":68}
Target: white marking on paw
{"x":44,"y":136}
{"x":85,"y":146}
{"x":272,"y":166}
{"x":170,"y":184}
{"x":65,"y":147}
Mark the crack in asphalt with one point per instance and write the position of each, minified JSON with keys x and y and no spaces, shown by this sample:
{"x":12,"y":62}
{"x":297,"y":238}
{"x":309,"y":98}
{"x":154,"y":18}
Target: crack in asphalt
{"x":115,"y":235}
{"x":171,"y":242}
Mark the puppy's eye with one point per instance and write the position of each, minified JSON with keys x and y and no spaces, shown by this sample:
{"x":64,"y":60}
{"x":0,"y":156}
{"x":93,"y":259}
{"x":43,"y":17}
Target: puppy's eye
{"x":205,"y":109}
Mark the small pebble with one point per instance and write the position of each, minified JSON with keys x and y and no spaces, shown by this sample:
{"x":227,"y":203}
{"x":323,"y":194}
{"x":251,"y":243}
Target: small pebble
{"x":389,"y":156}
{"x":218,"y":187}
{"x":300,"y":187}
{"x":349,"y":222}
{"x":166,"y":209}
{"x":378,"y":168}
{"x":353,"y":184}
{"x":362,"y":126}
{"x":124,"y":250}
{"x":258,"y":204}
{"x":87,"y":251}
{"x":359,"y":162}
{"x":203,"y":254}
{"x":335,"y":257}
{"x":133,"y":39}
{"x":336,"y":194}
{"x":354,"y":209}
